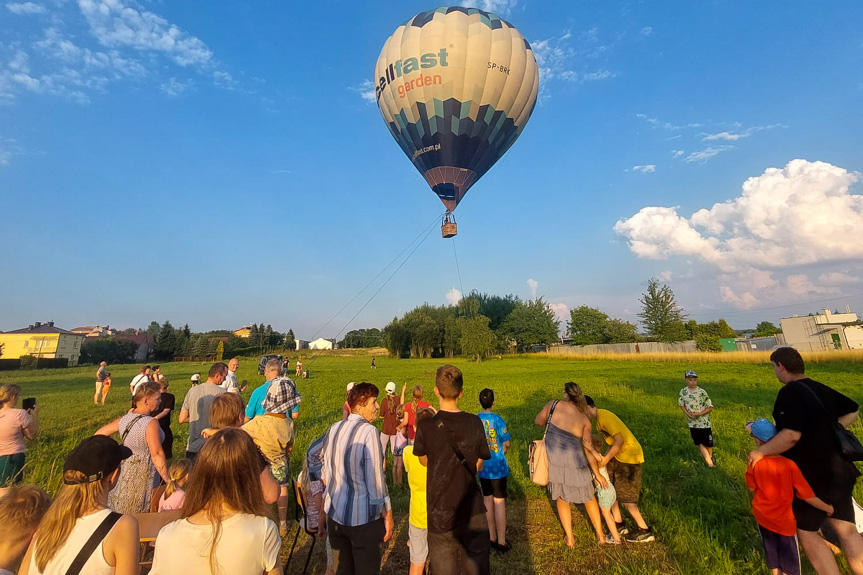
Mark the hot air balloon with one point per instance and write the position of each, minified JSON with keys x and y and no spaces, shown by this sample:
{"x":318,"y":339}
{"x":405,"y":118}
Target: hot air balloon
{"x":456,"y":87}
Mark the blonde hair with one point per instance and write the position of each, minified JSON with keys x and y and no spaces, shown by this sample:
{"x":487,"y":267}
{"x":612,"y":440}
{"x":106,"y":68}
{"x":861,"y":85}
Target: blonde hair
{"x":180,"y":469}
{"x":72,"y":502}
{"x":226,"y":411}
{"x":145,"y":391}
{"x":22,"y":509}
{"x":9,"y":393}
{"x":417,"y":394}
{"x":575,"y":395}
{"x":227,"y":476}
{"x":163,"y":384}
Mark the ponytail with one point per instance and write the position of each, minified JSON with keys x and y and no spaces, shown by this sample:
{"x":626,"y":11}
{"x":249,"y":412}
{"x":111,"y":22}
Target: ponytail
{"x":417,"y":395}
{"x":575,"y":395}
{"x":179,"y":469}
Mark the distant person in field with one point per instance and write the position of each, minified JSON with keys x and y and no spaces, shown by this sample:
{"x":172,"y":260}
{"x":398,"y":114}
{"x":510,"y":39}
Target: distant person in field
{"x":22,"y":508}
{"x":389,"y":405}
{"x":16,"y":425}
{"x":623,"y":461}
{"x":411,"y":409}
{"x":156,"y":374}
{"x":79,"y":510}
{"x":357,"y":501}
{"x":167,"y":404}
{"x":696,"y":405}
{"x":418,"y":516}
{"x":805,"y":413}
{"x":100,"y":380}
{"x":299,"y":368}
{"x":775,"y":482}
{"x":196,"y":407}
{"x":140,"y":379}
{"x":453,"y":446}
{"x":140,"y":432}
{"x":230,"y":384}
{"x":494,"y":473}
{"x":195,"y":379}
{"x":106,"y":386}
{"x":571,"y":463}
{"x":373,"y":363}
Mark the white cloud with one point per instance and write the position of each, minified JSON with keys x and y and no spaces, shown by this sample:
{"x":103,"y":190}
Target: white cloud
{"x":646,"y":169}
{"x":497,"y":7}
{"x":734,"y":136}
{"x":677,"y":153}
{"x":25,"y":8}
{"x":174,"y":87}
{"x":760,"y":242}
{"x":598,"y":75}
{"x":115,"y":23}
{"x":707,"y":153}
{"x":453,"y":296}
{"x":532,"y":284}
{"x":561,"y":311}
{"x":366,"y":90}
{"x":647,"y":31}
{"x":566,"y":57}
{"x":5,"y":156}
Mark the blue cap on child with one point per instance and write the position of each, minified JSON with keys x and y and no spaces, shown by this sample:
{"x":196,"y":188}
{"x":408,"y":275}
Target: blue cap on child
{"x":762,"y":429}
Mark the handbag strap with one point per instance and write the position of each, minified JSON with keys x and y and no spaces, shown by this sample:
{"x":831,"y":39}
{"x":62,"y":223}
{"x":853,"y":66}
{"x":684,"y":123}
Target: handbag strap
{"x":818,"y":399}
{"x":459,"y":455}
{"x":129,"y":428}
{"x":90,"y":546}
{"x":550,"y":413}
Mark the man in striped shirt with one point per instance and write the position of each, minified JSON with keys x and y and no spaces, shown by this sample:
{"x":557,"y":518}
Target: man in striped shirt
{"x":357,"y":502}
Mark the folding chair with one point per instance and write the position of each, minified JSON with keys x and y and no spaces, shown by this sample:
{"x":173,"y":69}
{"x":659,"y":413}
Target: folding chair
{"x":149,"y":525}
{"x":300,"y":516}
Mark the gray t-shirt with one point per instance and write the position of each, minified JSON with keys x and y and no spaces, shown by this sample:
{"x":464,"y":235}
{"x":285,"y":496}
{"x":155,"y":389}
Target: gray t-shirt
{"x":197,"y":402}
{"x":100,"y":374}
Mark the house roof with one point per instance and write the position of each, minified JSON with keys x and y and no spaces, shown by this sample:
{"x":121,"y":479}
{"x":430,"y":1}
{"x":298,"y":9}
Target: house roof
{"x":138,"y":338}
{"x":41,"y":328}
{"x":87,"y":328}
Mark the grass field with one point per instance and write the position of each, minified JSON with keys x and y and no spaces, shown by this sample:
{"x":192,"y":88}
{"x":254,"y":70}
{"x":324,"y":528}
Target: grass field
{"x":701,"y":516}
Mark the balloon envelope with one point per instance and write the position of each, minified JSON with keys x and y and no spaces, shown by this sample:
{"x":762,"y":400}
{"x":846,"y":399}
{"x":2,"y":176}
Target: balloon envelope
{"x":456,"y":87}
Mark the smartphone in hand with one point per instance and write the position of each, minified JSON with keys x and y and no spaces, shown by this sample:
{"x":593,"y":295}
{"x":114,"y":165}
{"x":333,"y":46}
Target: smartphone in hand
{"x":29,"y":403}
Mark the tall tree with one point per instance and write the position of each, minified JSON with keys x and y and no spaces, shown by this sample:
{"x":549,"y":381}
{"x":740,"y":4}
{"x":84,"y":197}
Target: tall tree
{"x":765,"y":329}
{"x":165,"y":346}
{"x":661,"y":316}
{"x":290,"y":341}
{"x":153,"y":328}
{"x":587,"y":325}
{"x":530,"y":323}
{"x":619,"y":331}
{"x":477,"y":339}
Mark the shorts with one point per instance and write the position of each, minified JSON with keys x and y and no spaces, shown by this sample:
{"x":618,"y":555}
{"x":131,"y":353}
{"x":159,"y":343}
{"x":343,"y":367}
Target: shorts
{"x":606,"y":497}
{"x":99,"y":386}
{"x":781,"y":551}
{"x":281,"y":474}
{"x":810,"y":519}
{"x":702,"y":436}
{"x":493,"y":487}
{"x":626,"y":478}
{"x":419,"y":543}
{"x":11,"y":469}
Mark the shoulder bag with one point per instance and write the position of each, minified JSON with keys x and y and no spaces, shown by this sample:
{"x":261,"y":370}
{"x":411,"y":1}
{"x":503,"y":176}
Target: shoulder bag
{"x":458,"y":454}
{"x":847,"y":443}
{"x":537,"y":458}
{"x":93,"y":542}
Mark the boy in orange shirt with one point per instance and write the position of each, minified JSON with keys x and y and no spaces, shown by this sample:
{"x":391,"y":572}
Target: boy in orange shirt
{"x":775,"y":480}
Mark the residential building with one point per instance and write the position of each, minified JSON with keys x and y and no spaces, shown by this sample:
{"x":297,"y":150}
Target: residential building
{"x":322,"y":343}
{"x":93,"y":331}
{"x":143,"y":340}
{"x":301,"y":344}
{"x":823,"y":331}
{"x":42,"y":340}
{"x":244,"y":332}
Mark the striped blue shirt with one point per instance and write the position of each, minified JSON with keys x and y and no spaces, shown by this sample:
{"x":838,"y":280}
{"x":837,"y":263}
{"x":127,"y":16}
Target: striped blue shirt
{"x":356,"y":491}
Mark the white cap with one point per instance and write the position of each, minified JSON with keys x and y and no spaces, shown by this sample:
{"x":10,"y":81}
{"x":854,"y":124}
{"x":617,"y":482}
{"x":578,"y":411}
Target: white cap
{"x":391,"y":387}
{"x":350,"y":386}
{"x":196,"y":377}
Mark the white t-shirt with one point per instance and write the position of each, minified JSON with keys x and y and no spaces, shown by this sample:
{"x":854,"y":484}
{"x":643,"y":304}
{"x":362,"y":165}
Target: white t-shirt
{"x":84,"y":528}
{"x":139,"y":380}
{"x":230,"y":383}
{"x":248,"y":545}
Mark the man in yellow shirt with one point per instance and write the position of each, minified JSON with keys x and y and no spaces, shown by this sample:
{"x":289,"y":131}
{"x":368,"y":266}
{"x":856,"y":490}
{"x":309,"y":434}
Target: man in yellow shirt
{"x":418,"y":525}
{"x":623,"y":461}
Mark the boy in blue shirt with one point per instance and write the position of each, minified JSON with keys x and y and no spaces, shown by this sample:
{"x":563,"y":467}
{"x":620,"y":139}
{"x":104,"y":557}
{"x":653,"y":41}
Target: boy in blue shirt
{"x":492,"y":477}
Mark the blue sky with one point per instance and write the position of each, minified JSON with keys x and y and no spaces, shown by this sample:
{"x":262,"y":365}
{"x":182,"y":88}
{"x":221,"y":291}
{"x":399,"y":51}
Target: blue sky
{"x":220,"y":163}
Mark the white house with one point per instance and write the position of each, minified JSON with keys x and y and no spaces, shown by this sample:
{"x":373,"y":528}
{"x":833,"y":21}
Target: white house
{"x":322,"y":343}
{"x":823,"y":331}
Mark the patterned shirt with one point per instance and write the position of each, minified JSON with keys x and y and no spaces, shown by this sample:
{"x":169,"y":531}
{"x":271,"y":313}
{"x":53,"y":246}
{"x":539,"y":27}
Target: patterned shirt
{"x":695,"y":400}
{"x":496,"y":434}
{"x":353,"y":473}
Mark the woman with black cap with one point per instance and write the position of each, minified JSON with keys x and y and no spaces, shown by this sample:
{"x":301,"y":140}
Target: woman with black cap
{"x":80,"y":534}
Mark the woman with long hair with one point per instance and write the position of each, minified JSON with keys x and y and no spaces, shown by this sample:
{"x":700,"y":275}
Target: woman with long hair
{"x":225,"y":529}
{"x":570,"y":471}
{"x":140,"y":432}
{"x":15,"y":425}
{"x":80,"y":510}
{"x":411,"y":410}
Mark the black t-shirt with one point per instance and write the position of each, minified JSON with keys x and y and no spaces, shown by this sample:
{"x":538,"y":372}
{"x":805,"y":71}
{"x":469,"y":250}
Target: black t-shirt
{"x":816,"y":453}
{"x":452,"y":493}
{"x":168,"y":402}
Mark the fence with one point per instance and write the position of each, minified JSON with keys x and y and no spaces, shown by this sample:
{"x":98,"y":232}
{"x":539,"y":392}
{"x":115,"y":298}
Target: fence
{"x":623,"y":348}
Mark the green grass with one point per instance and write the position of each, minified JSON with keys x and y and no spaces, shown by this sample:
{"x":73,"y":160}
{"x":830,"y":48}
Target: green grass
{"x":702,"y":516}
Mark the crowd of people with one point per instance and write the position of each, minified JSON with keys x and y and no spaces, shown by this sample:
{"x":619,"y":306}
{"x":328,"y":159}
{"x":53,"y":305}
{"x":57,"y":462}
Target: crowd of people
{"x":237,"y":464}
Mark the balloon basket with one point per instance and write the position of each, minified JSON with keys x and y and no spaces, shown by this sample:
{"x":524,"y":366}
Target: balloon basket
{"x":448,"y":230}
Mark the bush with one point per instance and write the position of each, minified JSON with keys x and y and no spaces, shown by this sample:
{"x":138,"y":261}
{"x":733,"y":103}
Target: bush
{"x":705,"y":342}
{"x":28,"y":362}
{"x":10,"y":364}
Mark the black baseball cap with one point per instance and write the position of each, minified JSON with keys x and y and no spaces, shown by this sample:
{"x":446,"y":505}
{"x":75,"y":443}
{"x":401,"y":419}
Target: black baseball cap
{"x":95,"y":457}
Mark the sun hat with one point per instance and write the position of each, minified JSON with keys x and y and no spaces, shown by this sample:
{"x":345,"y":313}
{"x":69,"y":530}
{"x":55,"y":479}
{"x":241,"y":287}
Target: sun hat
{"x":96,"y":457}
{"x":762,"y":429}
{"x":689,"y":373}
{"x":351,"y":386}
{"x":196,"y":377}
{"x":391,"y":387}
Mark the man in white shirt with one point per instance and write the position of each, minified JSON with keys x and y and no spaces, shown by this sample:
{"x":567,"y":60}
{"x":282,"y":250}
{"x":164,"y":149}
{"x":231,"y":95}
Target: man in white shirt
{"x":230,"y":384}
{"x":140,"y":379}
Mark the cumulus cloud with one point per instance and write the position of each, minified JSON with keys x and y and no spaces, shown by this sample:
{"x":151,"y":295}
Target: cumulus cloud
{"x":532,"y":284}
{"x":561,"y":311}
{"x":366,"y":90}
{"x":25,"y":8}
{"x":453,"y":296}
{"x":785,"y":219}
{"x":646,"y":169}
